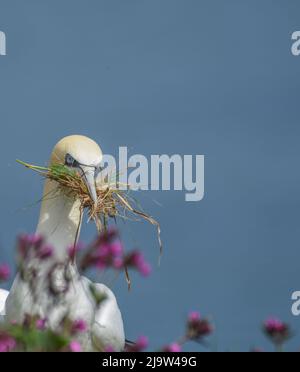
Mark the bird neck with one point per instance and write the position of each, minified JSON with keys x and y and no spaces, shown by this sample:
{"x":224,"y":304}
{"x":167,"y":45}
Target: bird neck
{"x":60,"y":220}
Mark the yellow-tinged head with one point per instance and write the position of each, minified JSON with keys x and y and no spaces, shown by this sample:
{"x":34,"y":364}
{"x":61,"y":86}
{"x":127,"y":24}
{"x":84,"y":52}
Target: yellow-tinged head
{"x":81,"y":148}
{"x":82,"y":154}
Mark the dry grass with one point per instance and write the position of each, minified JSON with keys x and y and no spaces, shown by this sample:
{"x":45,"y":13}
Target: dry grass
{"x":112,"y":201}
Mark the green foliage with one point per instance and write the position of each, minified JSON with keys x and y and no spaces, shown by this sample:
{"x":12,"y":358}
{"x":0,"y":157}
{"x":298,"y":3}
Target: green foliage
{"x":30,"y":339}
{"x":60,"y":170}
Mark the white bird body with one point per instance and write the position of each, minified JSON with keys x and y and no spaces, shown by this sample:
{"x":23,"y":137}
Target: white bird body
{"x":59,"y":224}
{"x":3,"y":297}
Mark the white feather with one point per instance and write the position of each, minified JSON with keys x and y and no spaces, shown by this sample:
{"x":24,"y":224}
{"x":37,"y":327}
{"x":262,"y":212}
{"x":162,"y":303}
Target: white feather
{"x":3,"y":297}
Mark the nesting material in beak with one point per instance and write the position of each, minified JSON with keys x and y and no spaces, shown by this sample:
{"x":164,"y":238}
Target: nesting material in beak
{"x":103,"y":201}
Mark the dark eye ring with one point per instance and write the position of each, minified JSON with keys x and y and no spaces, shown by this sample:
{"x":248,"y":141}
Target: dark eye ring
{"x":70,"y":161}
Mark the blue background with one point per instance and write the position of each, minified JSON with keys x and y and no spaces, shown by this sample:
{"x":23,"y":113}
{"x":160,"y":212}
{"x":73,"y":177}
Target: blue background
{"x":173,"y":76}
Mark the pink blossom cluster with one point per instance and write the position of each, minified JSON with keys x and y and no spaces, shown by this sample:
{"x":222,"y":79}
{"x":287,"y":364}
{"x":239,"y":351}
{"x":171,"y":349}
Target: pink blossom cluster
{"x":140,"y":345}
{"x":79,"y":326}
{"x":4,"y":272}
{"x":137,"y":261}
{"x":33,"y":246}
{"x":41,"y":324}
{"x":198,"y":327}
{"x":7,"y":343}
{"x":75,"y":347}
{"x":173,"y":348}
{"x":107,"y":252}
{"x":276,"y":330}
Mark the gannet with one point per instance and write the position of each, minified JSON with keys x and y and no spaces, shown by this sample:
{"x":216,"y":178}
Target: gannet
{"x":59,"y":223}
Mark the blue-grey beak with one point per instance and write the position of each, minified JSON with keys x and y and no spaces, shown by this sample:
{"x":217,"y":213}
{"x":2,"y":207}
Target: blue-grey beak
{"x":89,"y":178}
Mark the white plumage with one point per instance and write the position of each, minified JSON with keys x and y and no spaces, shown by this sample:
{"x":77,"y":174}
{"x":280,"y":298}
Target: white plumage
{"x":3,"y":297}
{"x":59,"y":223}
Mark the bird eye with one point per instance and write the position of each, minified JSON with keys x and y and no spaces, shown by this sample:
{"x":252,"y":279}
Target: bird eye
{"x":70,"y":161}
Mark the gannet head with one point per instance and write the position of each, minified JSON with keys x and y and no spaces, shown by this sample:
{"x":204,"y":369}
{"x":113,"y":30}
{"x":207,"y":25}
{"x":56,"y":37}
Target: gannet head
{"x":82,"y":154}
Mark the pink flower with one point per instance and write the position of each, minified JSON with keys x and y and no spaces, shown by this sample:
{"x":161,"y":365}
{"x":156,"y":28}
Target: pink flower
{"x":276,"y":330}
{"x":45,"y":252}
{"x":101,"y":264}
{"x":197,"y":328}
{"x":173,"y":348}
{"x":116,"y":249}
{"x":75,"y":347}
{"x":4,"y":272}
{"x":79,"y":326}
{"x":34,"y":240}
{"x":118,"y":263}
{"x":109,"y":349}
{"x":26,"y":242}
{"x":136,"y":260}
{"x":7,"y":343}
{"x":105,"y":252}
{"x":274,"y":325}
{"x":145,"y":269}
{"x":41,"y":324}
{"x":142,"y":342}
{"x":73,"y":249}
{"x":140,"y":345}
{"x":108,"y":236}
{"x":194,"y":316}
{"x":33,"y":245}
